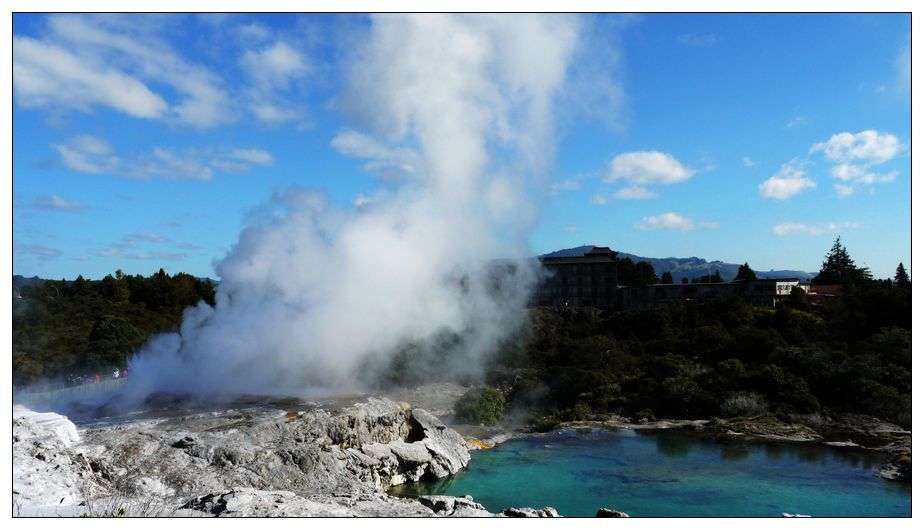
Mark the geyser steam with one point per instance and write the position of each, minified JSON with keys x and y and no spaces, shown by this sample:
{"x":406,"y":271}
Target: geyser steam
{"x":457,"y":114}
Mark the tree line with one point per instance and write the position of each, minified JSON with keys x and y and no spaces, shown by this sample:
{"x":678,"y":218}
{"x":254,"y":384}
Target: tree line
{"x":65,"y":327}
{"x":721,"y":357}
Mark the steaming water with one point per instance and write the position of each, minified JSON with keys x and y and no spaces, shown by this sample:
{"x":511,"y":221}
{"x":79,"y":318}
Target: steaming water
{"x":674,"y":473}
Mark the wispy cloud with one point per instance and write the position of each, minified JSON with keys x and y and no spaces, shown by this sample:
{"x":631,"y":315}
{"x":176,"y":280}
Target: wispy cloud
{"x":88,"y":154}
{"x":698,"y":40}
{"x":145,"y":256}
{"x":271,"y":70}
{"x":56,"y":203}
{"x":786,"y":183}
{"x":388,"y":163}
{"x":790,"y":228}
{"x":148,"y":236}
{"x":570,"y":229}
{"x":673,"y":221}
{"x":631,"y":193}
{"x":572,"y":184}
{"x":797,"y":121}
{"x":83,"y":62}
{"x":748,"y":162}
{"x":38,"y":250}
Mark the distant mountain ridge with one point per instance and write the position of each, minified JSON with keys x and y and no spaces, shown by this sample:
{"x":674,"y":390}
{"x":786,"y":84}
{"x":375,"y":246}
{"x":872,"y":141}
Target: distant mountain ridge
{"x":688,"y":268}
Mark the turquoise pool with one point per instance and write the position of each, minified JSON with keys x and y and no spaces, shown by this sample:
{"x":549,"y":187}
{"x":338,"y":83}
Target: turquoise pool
{"x":674,"y":473}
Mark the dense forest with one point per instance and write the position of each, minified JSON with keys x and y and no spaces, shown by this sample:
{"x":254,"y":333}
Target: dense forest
{"x":722,"y":357}
{"x":82,"y":326}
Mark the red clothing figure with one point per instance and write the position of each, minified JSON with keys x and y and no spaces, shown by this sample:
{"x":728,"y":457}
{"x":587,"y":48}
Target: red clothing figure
{"x":97,"y":379}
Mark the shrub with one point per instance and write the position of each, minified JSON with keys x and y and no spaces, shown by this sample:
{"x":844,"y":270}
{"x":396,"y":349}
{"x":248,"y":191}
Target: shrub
{"x":484,"y":405}
{"x":743,"y":404}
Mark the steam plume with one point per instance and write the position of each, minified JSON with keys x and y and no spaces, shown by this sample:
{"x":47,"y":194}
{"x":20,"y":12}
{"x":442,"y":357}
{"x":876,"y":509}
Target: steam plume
{"x":459,"y":109}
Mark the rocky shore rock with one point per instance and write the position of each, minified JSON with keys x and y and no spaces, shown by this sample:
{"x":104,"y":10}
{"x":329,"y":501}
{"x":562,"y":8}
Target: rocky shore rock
{"x":240,"y":463}
{"x":531,"y":512}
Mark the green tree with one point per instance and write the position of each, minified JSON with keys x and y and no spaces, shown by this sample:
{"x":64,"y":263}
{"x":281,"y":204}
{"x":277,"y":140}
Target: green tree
{"x":667,"y":278}
{"x":709,"y":278}
{"x":901,"y":276}
{"x":745,"y":273}
{"x":839,"y":268}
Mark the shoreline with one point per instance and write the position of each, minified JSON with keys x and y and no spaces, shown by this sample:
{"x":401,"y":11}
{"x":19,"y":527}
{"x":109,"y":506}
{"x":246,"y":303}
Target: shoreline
{"x":840,"y":432}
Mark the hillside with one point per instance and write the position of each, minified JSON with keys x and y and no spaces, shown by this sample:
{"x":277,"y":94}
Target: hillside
{"x":689,"y":268}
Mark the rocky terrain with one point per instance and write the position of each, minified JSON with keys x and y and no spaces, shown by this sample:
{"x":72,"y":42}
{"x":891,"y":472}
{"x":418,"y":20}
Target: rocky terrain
{"x":247,"y":462}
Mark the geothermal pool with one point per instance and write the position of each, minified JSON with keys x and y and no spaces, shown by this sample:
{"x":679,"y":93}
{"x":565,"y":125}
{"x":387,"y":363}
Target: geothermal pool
{"x":674,"y":473}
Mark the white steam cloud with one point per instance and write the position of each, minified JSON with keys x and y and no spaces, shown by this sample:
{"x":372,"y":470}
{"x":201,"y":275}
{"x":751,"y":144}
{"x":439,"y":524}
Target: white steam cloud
{"x":313,"y":295}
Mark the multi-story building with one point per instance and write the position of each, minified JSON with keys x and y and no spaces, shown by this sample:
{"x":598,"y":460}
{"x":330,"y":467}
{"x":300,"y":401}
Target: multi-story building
{"x":580,"y":281}
{"x":591,"y":280}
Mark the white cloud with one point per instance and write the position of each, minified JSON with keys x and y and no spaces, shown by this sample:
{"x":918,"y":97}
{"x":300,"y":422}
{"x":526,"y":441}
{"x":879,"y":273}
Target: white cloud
{"x":257,"y":157}
{"x":647,"y":167}
{"x":88,"y":154}
{"x":843,"y":190}
{"x":57,"y":203}
{"x":85,"y":62}
{"x":868,"y":146}
{"x":388,"y":163}
{"x":785,"y":229}
{"x":860,"y":175}
{"x":271,"y":71}
{"x":631,"y":193}
{"x":667,"y":221}
{"x":698,"y":40}
{"x":46,"y":75}
{"x":274,"y":66}
{"x":789,"y":181}
{"x":748,"y":162}
{"x":571,"y":229}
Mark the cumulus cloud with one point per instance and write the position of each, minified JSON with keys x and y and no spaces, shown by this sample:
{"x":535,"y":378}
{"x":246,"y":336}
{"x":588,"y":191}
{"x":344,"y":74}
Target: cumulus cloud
{"x":789,"y":181}
{"x":855,"y":155}
{"x":785,"y":229}
{"x":647,"y":167}
{"x":88,"y":154}
{"x":313,"y":297}
{"x":860,"y":175}
{"x":868,"y":146}
{"x":667,"y":221}
{"x":56,"y":203}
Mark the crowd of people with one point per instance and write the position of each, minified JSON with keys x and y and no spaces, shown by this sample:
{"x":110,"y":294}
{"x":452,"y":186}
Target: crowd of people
{"x":78,"y":379}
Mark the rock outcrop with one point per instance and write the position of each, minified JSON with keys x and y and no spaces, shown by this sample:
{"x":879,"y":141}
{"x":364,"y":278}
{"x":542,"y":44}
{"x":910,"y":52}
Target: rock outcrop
{"x":241,"y":463}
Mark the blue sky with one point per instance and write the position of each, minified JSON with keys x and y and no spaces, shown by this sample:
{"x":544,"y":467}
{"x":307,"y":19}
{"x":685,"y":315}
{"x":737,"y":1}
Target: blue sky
{"x":143,"y":142}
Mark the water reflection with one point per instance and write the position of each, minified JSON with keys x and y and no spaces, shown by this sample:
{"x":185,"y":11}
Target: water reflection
{"x":669,"y":444}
